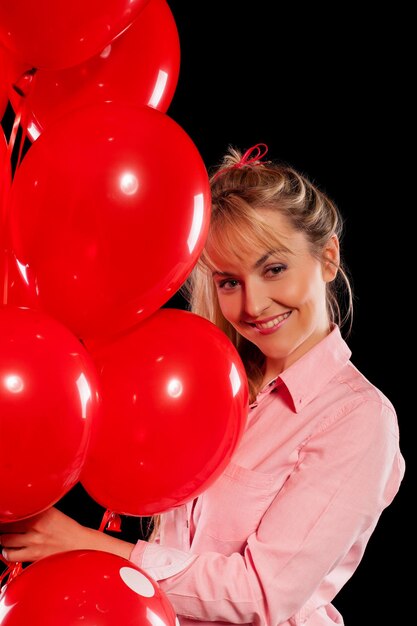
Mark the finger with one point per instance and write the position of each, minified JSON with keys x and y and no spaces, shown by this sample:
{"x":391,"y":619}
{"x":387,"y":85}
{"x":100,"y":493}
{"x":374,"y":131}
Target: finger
{"x":13,"y":541}
{"x":15,"y":555}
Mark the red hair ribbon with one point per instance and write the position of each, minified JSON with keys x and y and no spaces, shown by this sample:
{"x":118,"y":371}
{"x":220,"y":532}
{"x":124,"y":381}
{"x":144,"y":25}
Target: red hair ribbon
{"x":259,"y":150}
{"x":250,"y":157}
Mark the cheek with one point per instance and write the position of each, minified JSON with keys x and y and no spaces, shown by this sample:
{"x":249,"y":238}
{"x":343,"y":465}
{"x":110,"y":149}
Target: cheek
{"x":294,"y":293}
{"x":307,"y":288}
{"x":229,"y":306}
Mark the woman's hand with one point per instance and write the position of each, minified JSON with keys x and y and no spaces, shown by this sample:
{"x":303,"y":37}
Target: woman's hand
{"x":50,"y":532}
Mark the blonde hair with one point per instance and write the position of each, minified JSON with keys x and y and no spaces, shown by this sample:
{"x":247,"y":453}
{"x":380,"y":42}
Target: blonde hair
{"x":238,"y":190}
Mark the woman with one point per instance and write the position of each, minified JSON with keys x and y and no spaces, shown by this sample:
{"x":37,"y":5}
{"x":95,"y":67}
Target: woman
{"x":275,"y":538}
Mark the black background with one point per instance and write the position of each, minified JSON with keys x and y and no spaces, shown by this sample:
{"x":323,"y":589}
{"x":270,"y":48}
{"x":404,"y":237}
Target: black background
{"x":327,"y":90}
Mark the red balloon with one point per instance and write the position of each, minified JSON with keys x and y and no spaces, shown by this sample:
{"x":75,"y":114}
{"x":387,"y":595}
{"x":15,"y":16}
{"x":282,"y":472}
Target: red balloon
{"x":86,"y":587}
{"x":174,"y":408}
{"x":141,"y":66}
{"x":5,"y":180}
{"x":17,"y":290}
{"x":4,"y":92}
{"x":48,"y":400}
{"x":15,"y":75}
{"x":4,"y":98}
{"x":14,"y":289}
{"x":62,"y":33}
{"x":110,"y":210}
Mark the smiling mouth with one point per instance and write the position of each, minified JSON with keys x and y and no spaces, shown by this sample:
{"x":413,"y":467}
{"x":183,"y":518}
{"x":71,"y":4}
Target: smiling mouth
{"x":272,"y":323}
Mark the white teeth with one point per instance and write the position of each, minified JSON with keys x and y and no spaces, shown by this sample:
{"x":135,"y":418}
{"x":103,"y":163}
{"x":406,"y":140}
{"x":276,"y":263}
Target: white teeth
{"x":274,"y":322}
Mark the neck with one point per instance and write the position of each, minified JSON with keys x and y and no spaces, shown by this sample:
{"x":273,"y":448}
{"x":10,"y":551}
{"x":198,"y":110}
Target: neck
{"x":270,"y":373}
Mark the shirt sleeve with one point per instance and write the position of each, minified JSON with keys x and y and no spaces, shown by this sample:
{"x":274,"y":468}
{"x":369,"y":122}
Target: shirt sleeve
{"x":160,"y":562}
{"x":310,"y":539}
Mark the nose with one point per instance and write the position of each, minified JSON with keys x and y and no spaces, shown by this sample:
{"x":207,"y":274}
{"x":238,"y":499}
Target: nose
{"x":255,"y":299}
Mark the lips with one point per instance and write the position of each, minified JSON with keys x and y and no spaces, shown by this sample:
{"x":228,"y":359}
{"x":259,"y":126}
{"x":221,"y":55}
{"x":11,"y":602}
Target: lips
{"x":271,"y":324}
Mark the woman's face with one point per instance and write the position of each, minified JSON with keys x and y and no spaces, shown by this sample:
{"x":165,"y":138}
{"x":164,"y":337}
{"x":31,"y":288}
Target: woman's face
{"x":277,"y":299}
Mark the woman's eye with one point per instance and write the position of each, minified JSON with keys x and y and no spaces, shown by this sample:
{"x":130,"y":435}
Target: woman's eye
{"x":275,"y":270}
{"x":230,"y":283}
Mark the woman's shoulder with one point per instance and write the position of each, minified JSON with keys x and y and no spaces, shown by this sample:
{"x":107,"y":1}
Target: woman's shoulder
{"x":355,"y":379}
{"x":359,"y":392}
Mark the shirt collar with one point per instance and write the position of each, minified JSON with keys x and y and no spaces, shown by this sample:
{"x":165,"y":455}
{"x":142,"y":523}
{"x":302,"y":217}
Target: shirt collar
{"x":305,"y":378}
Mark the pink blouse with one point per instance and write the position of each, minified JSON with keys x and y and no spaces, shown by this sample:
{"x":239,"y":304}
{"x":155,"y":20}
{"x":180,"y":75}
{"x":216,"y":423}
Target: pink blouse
{"x":279,"y":533}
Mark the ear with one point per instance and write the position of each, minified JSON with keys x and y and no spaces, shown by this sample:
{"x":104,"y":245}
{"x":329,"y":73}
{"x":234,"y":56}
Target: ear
{"x":331,"y":259}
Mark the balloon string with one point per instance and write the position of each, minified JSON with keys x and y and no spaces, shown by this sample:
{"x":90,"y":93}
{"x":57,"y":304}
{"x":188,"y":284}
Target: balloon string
{"x":4,"y":252}
{"x":5,"y":294}
{"x":111,"y":521}
{"x":4,"y":228}
{"x":21,"y":145}
{"x":13,"y":134}
{"x":23,"y":87}
{"x":12,"y":570}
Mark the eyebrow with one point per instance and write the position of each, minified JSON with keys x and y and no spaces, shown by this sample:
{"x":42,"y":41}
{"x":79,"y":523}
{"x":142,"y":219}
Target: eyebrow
{"x":263,"y":258}
{"x":257,"y":264}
